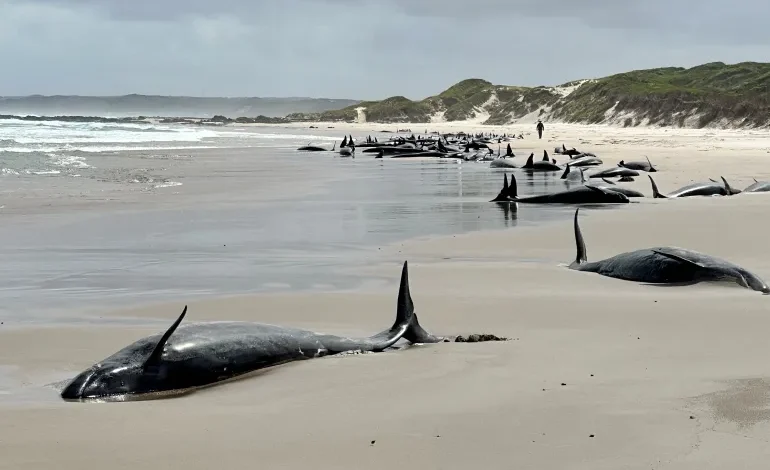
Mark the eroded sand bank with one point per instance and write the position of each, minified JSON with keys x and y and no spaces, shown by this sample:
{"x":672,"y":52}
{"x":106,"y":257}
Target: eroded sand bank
{"x":654,"y":377}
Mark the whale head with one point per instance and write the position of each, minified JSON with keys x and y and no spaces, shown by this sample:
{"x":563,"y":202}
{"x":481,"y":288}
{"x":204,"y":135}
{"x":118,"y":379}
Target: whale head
{"x":134,"y":370}
{"x":110,"y":380}
{"x":755,"y":282}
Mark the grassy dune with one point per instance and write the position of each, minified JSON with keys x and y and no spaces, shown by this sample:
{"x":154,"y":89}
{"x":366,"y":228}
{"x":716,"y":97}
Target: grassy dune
{"x":714,"y":94}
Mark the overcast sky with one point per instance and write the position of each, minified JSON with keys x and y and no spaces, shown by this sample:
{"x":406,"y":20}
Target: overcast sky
{"x":362,"y":49}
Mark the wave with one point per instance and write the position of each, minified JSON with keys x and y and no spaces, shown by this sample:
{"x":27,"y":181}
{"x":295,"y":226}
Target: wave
{"x":24,"y":133}
{"x":100,"y":149}
{"x":168,"y":184}
{"x":69,"y":161}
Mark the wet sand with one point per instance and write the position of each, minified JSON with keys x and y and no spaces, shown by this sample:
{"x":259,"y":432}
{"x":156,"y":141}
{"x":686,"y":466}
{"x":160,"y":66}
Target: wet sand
{"x":599,"y":374}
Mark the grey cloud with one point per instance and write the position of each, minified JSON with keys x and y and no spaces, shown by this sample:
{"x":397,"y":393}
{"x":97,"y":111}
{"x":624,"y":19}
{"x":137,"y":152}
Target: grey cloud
{"x":356,"y":48}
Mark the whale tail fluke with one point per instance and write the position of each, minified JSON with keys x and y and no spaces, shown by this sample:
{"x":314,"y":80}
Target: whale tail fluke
{"x":581,"y":256}
{"x":405,"y":314}
{"x":655,"y":193}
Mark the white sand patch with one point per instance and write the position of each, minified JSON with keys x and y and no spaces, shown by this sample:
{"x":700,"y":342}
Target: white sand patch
{"x":361,"y":114}
{"x":565,"y":91}
{"x":438,"y":117}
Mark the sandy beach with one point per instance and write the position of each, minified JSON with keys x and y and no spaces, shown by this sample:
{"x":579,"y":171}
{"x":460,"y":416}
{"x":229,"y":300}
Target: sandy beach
{"x":599,"y":373}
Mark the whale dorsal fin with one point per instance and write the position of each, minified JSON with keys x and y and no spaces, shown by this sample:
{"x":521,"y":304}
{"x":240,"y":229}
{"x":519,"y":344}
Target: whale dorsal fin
{"x":513,"y":190}
{"x":581,"y":256}
{"x":655,"y":193}
{"x":652,"y":168}
{"x":404,"y":305}
{"x":158,"y":351}
{"x":727,"y":187}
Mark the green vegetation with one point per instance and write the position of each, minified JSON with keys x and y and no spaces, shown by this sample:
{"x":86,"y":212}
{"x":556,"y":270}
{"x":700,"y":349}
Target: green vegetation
{"x":709,"y":94}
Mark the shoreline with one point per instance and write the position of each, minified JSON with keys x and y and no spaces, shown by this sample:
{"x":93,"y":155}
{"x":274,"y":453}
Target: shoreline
{"x":600,"y":373}
{"x":636,"y":362}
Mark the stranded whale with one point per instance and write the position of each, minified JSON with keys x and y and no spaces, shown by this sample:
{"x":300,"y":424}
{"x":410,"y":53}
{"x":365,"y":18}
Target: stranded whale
{"x":696,"y":189}
{"x":664,"y":265}
{"x":586,"y":194}
{"x":198,"y":354}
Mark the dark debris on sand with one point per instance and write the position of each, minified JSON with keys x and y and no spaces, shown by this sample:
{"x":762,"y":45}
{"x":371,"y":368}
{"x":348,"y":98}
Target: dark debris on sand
{"x":478,"y":338}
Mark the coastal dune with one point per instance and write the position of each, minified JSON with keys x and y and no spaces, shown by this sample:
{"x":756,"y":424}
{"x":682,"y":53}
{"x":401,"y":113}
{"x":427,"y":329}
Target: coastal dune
{"x":598,"y":373}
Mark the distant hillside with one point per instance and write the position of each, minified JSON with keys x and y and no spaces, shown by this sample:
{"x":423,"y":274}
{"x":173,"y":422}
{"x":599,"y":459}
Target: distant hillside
{"x":167,"y":106}
{"x":715,"y":94}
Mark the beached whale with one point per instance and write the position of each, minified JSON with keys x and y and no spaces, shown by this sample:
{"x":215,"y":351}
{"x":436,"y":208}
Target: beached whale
{"x":503,"y":162}
{"x":564,"y":151}
{"x":620,"y":189}
{"x":543,"y":165}
{"x":194,"y":355}
{"x":758,"y":187}
{"x":315,"y":148}
{"x":572,"y":176}
{"x":664,"y":265}
{"x":586,"y":194}
{"x":613,"y":172}
{"x":585,"y":161}
{"x":711,"y":188}
{"x":642,"y":166}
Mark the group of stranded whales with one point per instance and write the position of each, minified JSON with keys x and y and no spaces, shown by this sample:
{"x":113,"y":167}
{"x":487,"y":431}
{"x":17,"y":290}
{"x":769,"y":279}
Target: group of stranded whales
{"x":192,"y":356}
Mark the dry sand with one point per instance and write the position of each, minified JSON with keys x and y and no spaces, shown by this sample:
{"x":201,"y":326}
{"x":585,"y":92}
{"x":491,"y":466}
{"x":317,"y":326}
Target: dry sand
{"x":599,"y":374}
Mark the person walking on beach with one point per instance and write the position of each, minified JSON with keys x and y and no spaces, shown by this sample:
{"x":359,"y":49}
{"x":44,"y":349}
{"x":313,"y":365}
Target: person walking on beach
{"x":540,"y":129}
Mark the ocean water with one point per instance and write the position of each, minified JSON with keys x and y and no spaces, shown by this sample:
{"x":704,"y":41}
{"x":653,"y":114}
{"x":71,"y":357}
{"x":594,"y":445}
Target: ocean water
{"x":70,"y":149}
{"x":68,"y":266}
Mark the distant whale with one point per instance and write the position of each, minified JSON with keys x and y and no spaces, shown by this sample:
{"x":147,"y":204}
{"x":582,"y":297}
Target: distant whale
{"x":315,"y":148}
{"x":587,"y":194}
{"x":758,"y":187}
{"x":711,"y":188}
{"x":585,"y":161}
{"x":620,"y":189}
{"x":613,"y":172}
{"x":543,"y":165}
{"x":195,"y":355}
{"x":664,"y":265}
{"x":570,"y":175}
{"x":642,"y":166}
{"x":563,"y":151}
{"x":503,"y":162}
